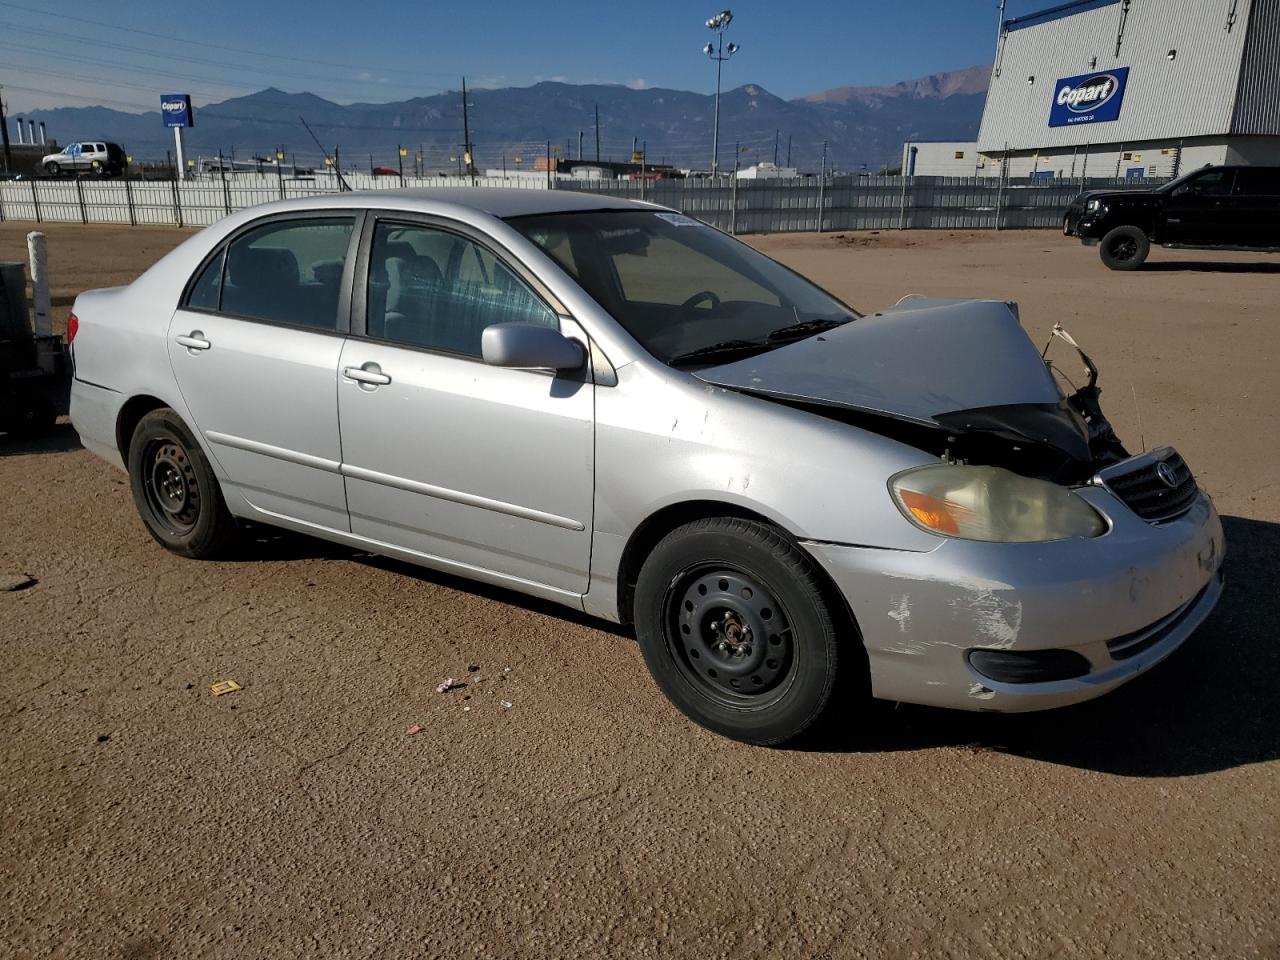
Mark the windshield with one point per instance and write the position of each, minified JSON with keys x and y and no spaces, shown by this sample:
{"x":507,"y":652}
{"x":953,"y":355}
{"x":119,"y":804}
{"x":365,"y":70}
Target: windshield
{"x":686,"y":291}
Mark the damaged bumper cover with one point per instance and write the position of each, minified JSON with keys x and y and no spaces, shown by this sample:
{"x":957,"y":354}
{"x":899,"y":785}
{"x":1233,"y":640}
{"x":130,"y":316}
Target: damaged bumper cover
{"x":1122,"y":602}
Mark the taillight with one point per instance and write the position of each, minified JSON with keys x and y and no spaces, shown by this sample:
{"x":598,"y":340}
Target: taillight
{"x":73,"y":326}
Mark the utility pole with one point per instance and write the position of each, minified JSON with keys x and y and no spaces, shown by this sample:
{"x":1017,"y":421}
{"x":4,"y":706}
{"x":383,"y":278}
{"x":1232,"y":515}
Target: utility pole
{"x":4,"y":131}
{"x":788,"y":149}
{"x":579,"y":144}
{"x":597,"y":133}
{"x":776,"y":134}
{"x":466,"y":135}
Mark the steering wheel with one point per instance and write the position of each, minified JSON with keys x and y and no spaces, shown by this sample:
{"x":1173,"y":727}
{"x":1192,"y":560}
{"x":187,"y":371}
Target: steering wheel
{"x":698,"y":297}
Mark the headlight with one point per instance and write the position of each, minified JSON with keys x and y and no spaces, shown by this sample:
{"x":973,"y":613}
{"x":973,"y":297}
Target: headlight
{"x":1094,"y":206}
{"x":988,"y":503}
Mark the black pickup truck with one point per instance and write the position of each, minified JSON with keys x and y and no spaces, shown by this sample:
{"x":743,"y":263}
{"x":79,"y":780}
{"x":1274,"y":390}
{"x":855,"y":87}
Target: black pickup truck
{"x":1213,"y":208}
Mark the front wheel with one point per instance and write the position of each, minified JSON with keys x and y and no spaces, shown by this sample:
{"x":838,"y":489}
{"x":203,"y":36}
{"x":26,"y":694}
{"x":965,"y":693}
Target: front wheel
{"x":1124,"y":248}
{"x":175,"y":489}
{"x":52,"y":169}
{"x":737,"y":628}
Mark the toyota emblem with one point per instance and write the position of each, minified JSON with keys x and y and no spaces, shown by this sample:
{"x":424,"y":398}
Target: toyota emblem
{"x":1166,"y":474}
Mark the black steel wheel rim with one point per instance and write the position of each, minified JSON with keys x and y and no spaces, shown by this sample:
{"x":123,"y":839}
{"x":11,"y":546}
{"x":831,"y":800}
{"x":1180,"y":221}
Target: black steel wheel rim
{"x":1125,"y":248}
{"x":172,"y":490}
{"x":729,"y":635}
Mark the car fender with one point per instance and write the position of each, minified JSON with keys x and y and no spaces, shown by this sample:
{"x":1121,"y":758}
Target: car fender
{"x":664,"y":438}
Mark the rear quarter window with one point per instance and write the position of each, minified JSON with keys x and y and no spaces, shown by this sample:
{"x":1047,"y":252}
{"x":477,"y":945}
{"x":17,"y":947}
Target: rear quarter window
{"x":206,"y":289}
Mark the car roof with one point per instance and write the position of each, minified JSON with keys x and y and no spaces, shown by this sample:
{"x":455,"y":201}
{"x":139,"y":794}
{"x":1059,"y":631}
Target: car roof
{"x":498,"y":202}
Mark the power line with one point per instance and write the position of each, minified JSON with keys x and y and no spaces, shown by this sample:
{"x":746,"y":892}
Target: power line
{"x":212,"y":46}
{"x":186,"y":59}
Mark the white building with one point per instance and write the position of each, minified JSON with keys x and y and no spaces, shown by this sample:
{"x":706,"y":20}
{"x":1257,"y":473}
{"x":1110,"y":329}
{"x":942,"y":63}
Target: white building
{"x":1135,"y":88}
{"x":945,"y":158}
{"x":766,"y":170}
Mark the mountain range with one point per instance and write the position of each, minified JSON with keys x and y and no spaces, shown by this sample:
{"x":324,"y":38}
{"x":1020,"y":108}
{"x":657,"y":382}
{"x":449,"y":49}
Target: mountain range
{"x":863,"y":127}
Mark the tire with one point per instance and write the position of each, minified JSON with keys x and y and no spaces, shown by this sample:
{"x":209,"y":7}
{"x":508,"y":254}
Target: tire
{"x":52,"y":169}
{"x":175,"y":490}
{"x":96,"y":166}
{"x":736,"y":627}
{"x":1066,"y":226}
{"x":1124,"y":248}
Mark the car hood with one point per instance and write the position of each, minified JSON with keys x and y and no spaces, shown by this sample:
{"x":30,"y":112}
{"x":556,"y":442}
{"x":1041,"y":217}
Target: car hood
{"x":916,"y":361}
{"x":1083,"y":198}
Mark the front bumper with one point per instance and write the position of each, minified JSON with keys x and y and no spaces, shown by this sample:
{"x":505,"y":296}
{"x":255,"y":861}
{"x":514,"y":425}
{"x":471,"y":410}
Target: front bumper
{"x":1142,"y":587}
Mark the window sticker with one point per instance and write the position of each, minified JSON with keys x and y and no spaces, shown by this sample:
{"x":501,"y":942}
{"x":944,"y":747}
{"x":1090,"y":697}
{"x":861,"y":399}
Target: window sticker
{"x":679,"y":220}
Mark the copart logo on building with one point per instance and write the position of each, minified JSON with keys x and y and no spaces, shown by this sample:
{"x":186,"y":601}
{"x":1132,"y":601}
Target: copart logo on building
{"x":1088,"y":98}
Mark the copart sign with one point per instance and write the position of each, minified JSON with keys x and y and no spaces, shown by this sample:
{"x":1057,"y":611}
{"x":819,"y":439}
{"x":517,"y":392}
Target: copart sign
{"x":1088,"y":98}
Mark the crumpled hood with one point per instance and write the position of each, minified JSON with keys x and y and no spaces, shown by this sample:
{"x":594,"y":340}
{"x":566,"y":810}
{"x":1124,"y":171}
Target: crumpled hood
{"x":916,"y":361}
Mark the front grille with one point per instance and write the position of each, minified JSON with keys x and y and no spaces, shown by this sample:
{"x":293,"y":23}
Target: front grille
{"x":1132,"y":644}
{"x":1144,"y":491}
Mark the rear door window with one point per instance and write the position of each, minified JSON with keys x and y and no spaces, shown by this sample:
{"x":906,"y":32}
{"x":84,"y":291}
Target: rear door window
{"x":1258,"y":182}
{"x":288,"y":272}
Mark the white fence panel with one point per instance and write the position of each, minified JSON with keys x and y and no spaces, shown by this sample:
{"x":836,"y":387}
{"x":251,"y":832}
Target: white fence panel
{"x":749,"y":206}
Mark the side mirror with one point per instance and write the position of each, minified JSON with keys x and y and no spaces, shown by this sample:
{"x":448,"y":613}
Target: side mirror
{"x":530,"y":345}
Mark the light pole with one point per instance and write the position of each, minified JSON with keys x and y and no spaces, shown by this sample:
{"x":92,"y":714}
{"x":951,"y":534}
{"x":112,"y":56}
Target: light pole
{"x":719,"y":53}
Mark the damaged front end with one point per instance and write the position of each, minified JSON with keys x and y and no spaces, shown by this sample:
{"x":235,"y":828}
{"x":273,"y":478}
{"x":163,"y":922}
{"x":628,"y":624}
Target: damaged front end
{"x":957,"y":379}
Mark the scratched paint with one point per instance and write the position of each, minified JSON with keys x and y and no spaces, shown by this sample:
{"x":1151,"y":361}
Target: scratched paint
{"x":901,"y":612}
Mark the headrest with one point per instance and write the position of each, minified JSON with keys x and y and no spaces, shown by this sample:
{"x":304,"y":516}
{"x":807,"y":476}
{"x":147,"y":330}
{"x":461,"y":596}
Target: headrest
{"x":249,"y":266}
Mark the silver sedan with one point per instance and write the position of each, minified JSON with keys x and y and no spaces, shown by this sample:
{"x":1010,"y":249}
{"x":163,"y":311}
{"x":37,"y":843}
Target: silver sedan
{"x":614,"y":406}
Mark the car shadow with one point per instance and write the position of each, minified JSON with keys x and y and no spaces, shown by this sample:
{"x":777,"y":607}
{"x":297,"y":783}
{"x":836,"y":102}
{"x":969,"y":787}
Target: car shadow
{"x":61,"y":439}
{"x":1213,"y":705}
{"x":261,"y":543}
{"x":1208,"y":266}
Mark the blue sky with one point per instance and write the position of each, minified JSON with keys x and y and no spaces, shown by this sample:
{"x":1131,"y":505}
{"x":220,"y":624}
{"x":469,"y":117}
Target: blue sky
{"x":77,"y":52}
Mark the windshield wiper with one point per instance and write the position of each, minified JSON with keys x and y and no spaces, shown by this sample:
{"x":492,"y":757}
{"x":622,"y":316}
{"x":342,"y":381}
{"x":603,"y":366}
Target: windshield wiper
{"x":804,"y":328}
{"x":717,"y":350}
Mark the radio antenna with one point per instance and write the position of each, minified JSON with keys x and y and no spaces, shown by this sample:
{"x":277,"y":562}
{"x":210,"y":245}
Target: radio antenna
{"x":336,"y":169}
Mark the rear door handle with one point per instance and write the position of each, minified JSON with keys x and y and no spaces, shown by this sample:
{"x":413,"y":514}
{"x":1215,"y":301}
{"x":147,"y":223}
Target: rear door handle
{"x":370,"y":373}
{"x":193,"y":341}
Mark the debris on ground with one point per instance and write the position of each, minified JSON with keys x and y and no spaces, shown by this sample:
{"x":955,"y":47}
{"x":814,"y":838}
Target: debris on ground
{"x":506,"y":704}
{"x":472,"y":667}
{"x":447,"y":684}
{"x":104,"y":737}
{"x":224,"y":686}
{"x":13,"y":582}
{"x":413,"y":730}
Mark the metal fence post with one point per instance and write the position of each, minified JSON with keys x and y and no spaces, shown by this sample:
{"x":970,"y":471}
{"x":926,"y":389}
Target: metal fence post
{"x":2,"y":217}
{"x":84,"y":214}
{"x":733,"y":206}
{"x":128,"y":196}
{"x":902,"y":204}
{"x":177,"y":202}
{"x":226,"y":191}
{"x":35,"y":199}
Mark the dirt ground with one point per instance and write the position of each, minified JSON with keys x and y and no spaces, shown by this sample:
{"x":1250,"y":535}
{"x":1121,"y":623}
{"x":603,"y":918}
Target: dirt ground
{"x":144,"y":818}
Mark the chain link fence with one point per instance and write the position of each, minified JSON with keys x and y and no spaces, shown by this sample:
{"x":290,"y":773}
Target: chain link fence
{"x":735,"y":206}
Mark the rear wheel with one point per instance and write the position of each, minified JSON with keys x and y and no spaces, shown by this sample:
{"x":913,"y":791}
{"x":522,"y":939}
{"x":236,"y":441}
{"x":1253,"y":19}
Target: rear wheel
{"x":736,"y":627}
{"x":1124,"y":248}
{"x":175,"y":490}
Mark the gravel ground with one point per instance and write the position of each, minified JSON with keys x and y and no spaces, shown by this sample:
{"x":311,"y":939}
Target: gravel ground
{"x":145,"y":818}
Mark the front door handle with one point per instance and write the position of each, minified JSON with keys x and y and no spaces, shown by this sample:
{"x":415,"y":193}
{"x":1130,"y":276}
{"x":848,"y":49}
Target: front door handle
{"x":193,"y":341}
{"x":370,"y":374}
